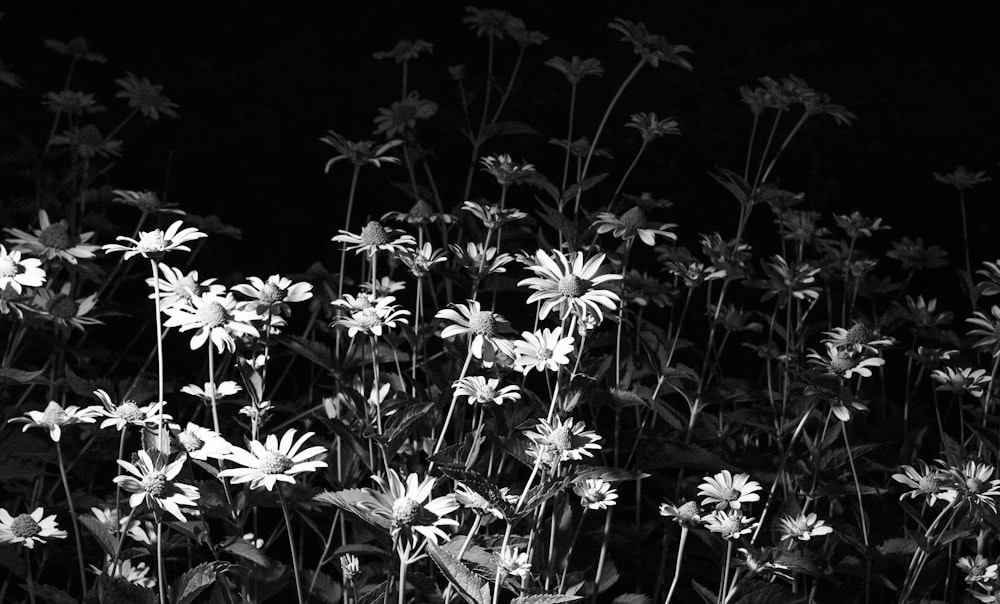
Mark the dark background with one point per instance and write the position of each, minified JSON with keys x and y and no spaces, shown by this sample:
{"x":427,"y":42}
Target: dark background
{"x":258,"y":85}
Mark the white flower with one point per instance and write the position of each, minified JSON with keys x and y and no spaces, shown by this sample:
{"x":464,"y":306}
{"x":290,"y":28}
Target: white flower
{"x":223,"y":389}
{"x":53,"y":240}
{"x":513,"y":562}
{"x":595,"y":494}
{"x":728,"y":491}
{"x":273,"y":294}
{"x":128,"y":412}
{"x":730,"y":524}
{"x":153,"y":483}
{"x":201,"y":443}
{"x":154,"y":244}
{"x":177,"y":287}
{"x":409,"y":508}
{"x":29,"y":529}
{"x":542,"y":350}
{"x":17,"y":272}
{"x":570,"y":285}
{"x":54,"y":417}
{"x":482,"y":326}
{"x":565,"y":439}
{"x":213,"y":317}
{"x":803,"y":527}
{"x":273,"y":461}
{"x":479,"y":389}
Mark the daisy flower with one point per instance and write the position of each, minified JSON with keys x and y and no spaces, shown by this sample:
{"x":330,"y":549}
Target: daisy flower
{"x":128,"y":412}
{"x":54,"y":418}
{"x":859,"y":338}
{"x":482,"y":390}
{"x":421,"y":213}
{"x":350,"y":566}
{"x":274,"y":294}
{"x":564,"y":439}
{"x":409,"y":508}
{"x":472,"y":500}
{"x":384,"y":286}
{"x":112,"y":520}
{"x":361,"y":152}
{"x":374,"y":238}
{"x":542,"y":350}
{"x":29,"y":529}
{"x":595,"y":494}
{"x":362,"y":301}
{"x":632,"y":224}
{"x":493,"y":216}
{"x":147,"y":201}
{"x":926,"y":481}
{"x":988,"y":328}
{"x":569,"y":285}
{"x":505,"y":170}
{"x":201,"y":443}
{"x":479,"y":260}
{"x":730,"y":524}
{"x":153,"y":483}
{"x":423,"y":259}
{"x":214,"y":317}
{"x":974,"y":483}
{"x":728,"y":491}
{"x":136,"y":575}
{"x":978,"y":569}
{"x":373,"y":320}
{"x":64,"y":311}
{"x":511,"y":561}
{"x":273,"y":461}
{"x":16,"y":271}
{"x":480,"y":325}
{"x":223,"y":389}
{"x":843,"y":363}
{"x":961,"y":380}
{"x":177,"y":287}
{"x":53,"y":240}
{"x":695,"y":273}
{"x":802,"y":527}
{"x":687,"y":514}
{"x":154,"y":244}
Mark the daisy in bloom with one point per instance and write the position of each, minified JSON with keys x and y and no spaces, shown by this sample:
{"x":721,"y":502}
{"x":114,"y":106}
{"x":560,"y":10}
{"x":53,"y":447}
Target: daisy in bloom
{"x":479,"y":260}
{"x":728,"y":491}
{"x":595,"y":494}
{"x":362,"y":301}
{"x":201,"y":443}
{"x":542,"y":350}
{"x":730,"y":524}
{"x":988,"y":328}
{"x":472,"y":500}
{"x":214,"y":317}
{"x":926,"y":481}
{"x":29,"y":529}
{"x":113,"y":521}
{"x":687,"y":514}
{"x":420,"y":214}
{"x":843,"y":363}
{"x":961,"y":380}
{"x":409,"y":508}
{"x":974,"y":483}
{"x":632,"y":224}
{"x":223,"y":389}
{"x":128,"y":412}
{"x":274,"y":294}
{"x":564,"y":439}
{"x":859,"y":338}
{"x":492,"y":216}
{"x":802,"y":527}
{"x":177,"y":287}
{"x":505,"y":170}
{"x":147,"y":201}
{"x":569,"y":285}
{"x":64,"y":311}
{"x":153,"y":483}
{"x":273,"y":461}
{"x":978,"y":569}
{"x":373,"y":320}
{"x":421,"y":260}
{"x":484,"y":390}
{"x":511,"y":561}
{"x":154,"y":244}
{"x":16,"y":271}
{"x":480,"y":325}
{"x":374,"y":238}
{"x":694,"y":273}
{"x":136,"y":575}
{"x":384,"y":286}
{"x":53,"y":240}
{"x":54,"y":418}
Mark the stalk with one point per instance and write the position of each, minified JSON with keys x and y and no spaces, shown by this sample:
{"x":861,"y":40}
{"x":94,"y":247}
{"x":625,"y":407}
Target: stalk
{"x":677,"y":566}
{"x":72,"y":517}
{"x":291,"y":545}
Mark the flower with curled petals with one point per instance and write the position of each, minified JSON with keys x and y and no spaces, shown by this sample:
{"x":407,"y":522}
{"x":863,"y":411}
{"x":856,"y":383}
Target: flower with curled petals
{"x":154,"y":244}
{"x":29,"y":529}
{"x":632,"y":224}
{"x":273,"y":461}
{"x":53,"y":240}
{"x":482,"y":390}
{"x":570,"y":284}
{"x":731,"y":524}
{"x":128,"y":412}
{"x":924,"y":481}
{"x":152,"y":482}
{"x":177,"y":287}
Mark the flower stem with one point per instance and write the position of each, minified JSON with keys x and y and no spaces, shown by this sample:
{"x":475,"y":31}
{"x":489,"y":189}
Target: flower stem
{"x":29,"y":580}
{"x":677,"y":566}
{"x":857,"y":487}
{"x":569,"y":552}
{"x":72,"y":517}
{"x":724,"y":584}
{"x":161,"y":572}
{"x":291,"y":545}
{"x":159,"y":356}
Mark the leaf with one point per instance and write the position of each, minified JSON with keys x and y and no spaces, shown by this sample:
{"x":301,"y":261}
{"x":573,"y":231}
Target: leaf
{"x":673,"y":453}
{"x":312,"y":351}
{"x":509,"y":128}
{"x":580,"y":187}
{"x":398,"y":423}
{"x":101,"y":532}
{"x":324,"y":588}
{"x":253,"y":383}
{"x":543,"y":492}
{"x":50,"y":594}
{"x":706,"y":594}
{"x":897,"y":546}
{"x":556,"y":219}
{"x":248,"y":551}
{"x":375,"y":594}
{"x":761,"y":592}
{"x":608,"y":474}
{"x":467,"y":583}
{"x":355,"y":501}
{"x":632,"y":599}
{"x":547,"y":599}
{"x":187,"y":587}
{"x":20,"y":376}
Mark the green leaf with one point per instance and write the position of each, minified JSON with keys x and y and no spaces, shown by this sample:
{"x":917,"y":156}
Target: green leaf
{"x":50,"y":594}
{"x":312,"y":351}
{"x":547,"y":599}
{"x":355,"y":501}
{"x":187,"y":587}
{"x":375,"y":594}
{"x":101,"y":532}
{"x":19,"y":376}
{"x":324,"y":588}
{"x":706,"y":594}
{"x":466,"y":582}
{"x":248,"y":551}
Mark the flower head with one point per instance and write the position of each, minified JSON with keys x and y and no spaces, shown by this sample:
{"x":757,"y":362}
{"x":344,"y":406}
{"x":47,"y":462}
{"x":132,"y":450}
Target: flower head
{"x":570,"y":285}
{"x":564,"y":440}
{"x":350,"y":566}
{"x":401,"y":117}
{"x":273,"y":461}
{"x":145,"y":96}
{"x":374,"y":238}
{"x":978,"y":569}
{"x":481,"y":326}
{"x":55,"y":417}
{"x":595,"y":494}
{"x":274,"y":294}
{"x":214,"y":318}
{"x":542,"y":350}
{"x":632,"y":224}
{"x":962,"y":179}
{"x":152,"y":482}
{"x":154,"y":244}
{"x":359,"y":153}
{"x":29,"y":529}
{"x":506,"y":170}
{"x":511,"y":561}
{"x":128,"y":412}
{"x":16,"y":271}
{"x":53,"y":240}
{"x":575,"y":69}
{"x":409,"y":508}
{"x":177,"y":287}
{"x":687,"y":514}
{"x":484,"y":391}
{"x":728,"y":491}
{"x":731,"y":524}
{"x":201,"y":443}
{"x":961,"y":380}
{"x":802,"y":527}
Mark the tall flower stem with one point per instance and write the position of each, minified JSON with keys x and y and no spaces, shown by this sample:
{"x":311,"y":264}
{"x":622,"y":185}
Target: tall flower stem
{"x":677,"y":566}
{"x":291,"y":545}
{"x":603,"y":555}
{"x":724,"y":584}
{"x":161,"y":572}
{"x":159,"y":355}
{"x":628,"y":172}
{"x":451,"y":407}
{"x":211,"y":387}
{"x":403,"y":560}
{"x":857,"y":487}
{"x":28,"y":572}
{"x":965,"y":241}
{"x":72,"y":517}
{"x":569,"y":551}
{"x":343,"y":246}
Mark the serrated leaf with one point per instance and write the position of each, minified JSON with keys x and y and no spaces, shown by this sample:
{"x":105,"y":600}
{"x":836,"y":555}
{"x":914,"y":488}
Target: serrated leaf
{"x":312,"y":351}
{"x":375,"y":594}
{"x":101,"y":532}
{"x":323,"y":587}
{"x":187,"y":587}
{"x":546,"y":599}
{"x":705,"y":593}
{"x":50,"y":594}
{"x":248,"y":551}
{"x":466,"y":582}
{"x":543,"y":492}
{"x":355,"y":501}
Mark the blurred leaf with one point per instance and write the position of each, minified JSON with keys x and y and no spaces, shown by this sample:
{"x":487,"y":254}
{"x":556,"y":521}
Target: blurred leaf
{"x":549,"y":599}
{"x":19,"y":376}
{"x":510,"y":128}
{"x":324,"y":588}
{"x":375,"y":594}
{"x":50,"y":594}
{"x":100,"y":531}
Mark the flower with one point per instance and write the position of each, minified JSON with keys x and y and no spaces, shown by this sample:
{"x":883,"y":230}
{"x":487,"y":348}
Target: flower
{"x":78,"y":48}
{"x":481,"y":325}
{"x":29,"y":529}
{"x":728,"y":491}
{"x":421,"y":260}
{"x":914,"y":255}
{"x":202,"y":443}
{"x":145,"y":96}
{"x":16,"y":272}
{"x":928,"y":482}
{"x":214,"y":317}
{"x":350,"y":566}
{"x":373,"y":319}
{"x":653,"y":48}
{"x":54,"y":418}
{"x":794,"y":280}
{"x":973,"y":483}
{"x":177,"y":288}
{"x":137,"y":575}
{"x":988,"y":328}
{"x":505,"y":170}
{"x":274,"y":294}
{"x":631,"y":224}
{"x":730,"y":524}
{"x":484,"y":390}
{"x":227,"y":388}
{"x":472,"y":500}
{"x":147,"y":201}
{"x":112,"y":520}
{"x":575,"y":69}
{"x":542,"y":350}
{"x":361,"y":152}
{"x":128,"y":412}
{"x":843,"y":363}
{"x":651,"y":127}
{"x":569,"y":285}
{"x":595,"y":494}
{"x":154,"y":244}
{"x":857,"y":225}
{"x":53,"y":240}
{"x":493,"y":216}
{"x":409,"y":508}
{"x":64,"y":311}
{"x":405,"y":50}
{"x":859,"y":338}
{"x":88,"y":142}
{"x":512,"y":561}
{"x":419,"y":213}
{"x":961,"y":179}
{"x":401,"y":117}
{"x":978,"y":569}
{"x":564,"y":439}
{"x":274,"y":461}
{"x":961,"y":380}
{"x":687,"y":514}
{"x":802,"y":527}
{"x":153,"y":483}
{"x":374,"y":238}
{"x":480,"y":260}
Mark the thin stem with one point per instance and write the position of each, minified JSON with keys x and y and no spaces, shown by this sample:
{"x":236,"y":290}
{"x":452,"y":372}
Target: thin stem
{"x":161,"y":572}
{"x":569,"y":552}
{"x":677,"y":566}
{"x":857,"y":487}
{"x":72,"y":517}
{"x":724,"y":584}
{"x":30,"y":580}
{"x":211,"y":386}
{"x":159,"y":355}
{"x":291,"y":545}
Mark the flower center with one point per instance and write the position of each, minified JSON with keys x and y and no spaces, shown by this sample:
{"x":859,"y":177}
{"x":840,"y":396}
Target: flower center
{"x":570,"y":286}
{"x":212,"y":315}
{"x":8,"y":268}
{"x":561,"y":438}
{"x":688,"y":512}
{"x":55,"y":236}
{"x":928,"y":484}
{"x":63,"y":307}
{"x":730,"y":526}
{"x":274,"y":462}
{"x":405,"y":511}
{"x":129,"y":411}
{"x":24,"y":526}
{"x":364,"y":301}
{"x":421,"y":211}
{"x":373,"y":234}
{"x":153,"y":241}
{"x":841,"y":363}
{"x":154,"y":483}
{"x":368,"y":318}
{"x":190,"y":442}
{"x":483,"y":323}
{"x":271,"y":293}
{"x":729,"y":494}
{"x":54,"y":415}
{"x":486,"y":394}
{"x":858,"y":334}
{"x":544,"y":354}
{"x":634,"y":219}
{"x":973,"y":484}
